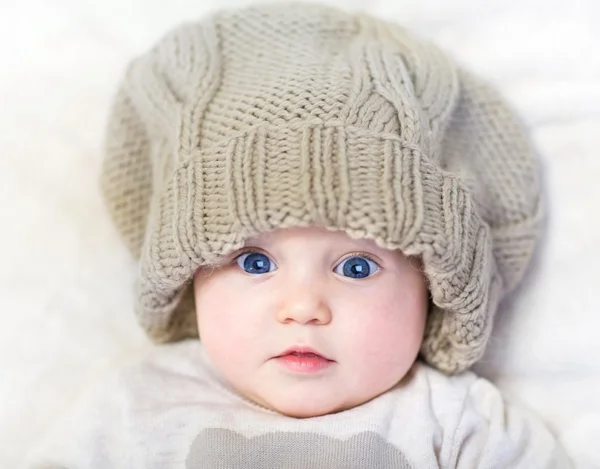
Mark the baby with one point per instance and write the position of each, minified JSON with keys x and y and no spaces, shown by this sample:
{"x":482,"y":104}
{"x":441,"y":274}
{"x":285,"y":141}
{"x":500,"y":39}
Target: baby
{"x":334,"y":209}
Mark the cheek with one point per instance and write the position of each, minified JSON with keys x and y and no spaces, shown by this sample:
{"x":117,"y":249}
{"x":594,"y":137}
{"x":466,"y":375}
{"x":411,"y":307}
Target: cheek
{"x":387,"y":329}
{"x":228,"y":323}
{"x":217,"y":314}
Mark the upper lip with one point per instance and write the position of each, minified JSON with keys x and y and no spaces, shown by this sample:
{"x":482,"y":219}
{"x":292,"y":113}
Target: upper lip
{"x":302,"y":349}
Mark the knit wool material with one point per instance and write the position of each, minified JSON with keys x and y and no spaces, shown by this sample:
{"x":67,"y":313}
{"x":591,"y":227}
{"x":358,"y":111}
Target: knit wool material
{"x":292,"y":115}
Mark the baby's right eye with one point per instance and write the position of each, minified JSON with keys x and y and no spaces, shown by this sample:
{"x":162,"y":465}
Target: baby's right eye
{"x":255,"y":263}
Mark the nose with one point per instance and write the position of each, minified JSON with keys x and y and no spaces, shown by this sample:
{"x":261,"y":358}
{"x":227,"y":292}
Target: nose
{"x":304,"y":306}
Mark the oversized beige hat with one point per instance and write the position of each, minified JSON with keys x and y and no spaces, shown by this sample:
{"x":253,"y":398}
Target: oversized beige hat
{"x":286,"y":115}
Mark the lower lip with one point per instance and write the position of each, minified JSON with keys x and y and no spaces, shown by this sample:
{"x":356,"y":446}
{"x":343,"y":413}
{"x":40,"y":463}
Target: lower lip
{"x":304,"y":364}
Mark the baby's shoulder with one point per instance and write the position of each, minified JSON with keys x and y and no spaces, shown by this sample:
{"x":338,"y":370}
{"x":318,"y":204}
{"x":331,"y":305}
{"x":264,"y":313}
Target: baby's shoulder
{"x":487,"y":429}
{"x":178,"y":366}
{"x":423,"y":376}
{"x":450,"y":394}
{"x":178,"y":358}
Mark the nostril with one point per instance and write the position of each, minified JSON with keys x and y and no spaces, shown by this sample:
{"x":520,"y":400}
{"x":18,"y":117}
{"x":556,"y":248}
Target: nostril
{"x":306,"y":309}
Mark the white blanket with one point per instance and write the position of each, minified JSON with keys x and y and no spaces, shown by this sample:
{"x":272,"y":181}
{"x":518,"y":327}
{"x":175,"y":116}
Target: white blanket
{"x":65,"y":278}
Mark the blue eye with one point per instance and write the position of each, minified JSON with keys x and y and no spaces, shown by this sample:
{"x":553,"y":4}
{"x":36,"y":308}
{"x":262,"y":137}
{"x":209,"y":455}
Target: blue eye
{"x":356,"y":267}
{"x":255,"y":263}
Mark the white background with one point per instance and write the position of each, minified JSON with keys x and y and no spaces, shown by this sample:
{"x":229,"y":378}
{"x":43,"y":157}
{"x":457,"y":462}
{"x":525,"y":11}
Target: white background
{"x":65,"y":278}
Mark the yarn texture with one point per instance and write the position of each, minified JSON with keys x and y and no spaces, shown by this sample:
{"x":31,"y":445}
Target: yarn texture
{"x":289,"y":115}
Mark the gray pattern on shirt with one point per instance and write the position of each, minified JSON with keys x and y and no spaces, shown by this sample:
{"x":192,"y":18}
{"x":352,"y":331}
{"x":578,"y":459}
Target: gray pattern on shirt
{"x":218,"y":448}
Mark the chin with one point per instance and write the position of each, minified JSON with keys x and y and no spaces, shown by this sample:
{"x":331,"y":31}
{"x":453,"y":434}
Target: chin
{"x":303,"y":410}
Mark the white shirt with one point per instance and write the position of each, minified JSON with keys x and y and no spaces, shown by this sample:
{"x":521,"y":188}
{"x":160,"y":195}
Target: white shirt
{"x":174,"y":410}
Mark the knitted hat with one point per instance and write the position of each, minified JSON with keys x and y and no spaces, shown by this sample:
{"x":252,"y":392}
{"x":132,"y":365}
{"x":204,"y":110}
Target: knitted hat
{"x":294,"y":115}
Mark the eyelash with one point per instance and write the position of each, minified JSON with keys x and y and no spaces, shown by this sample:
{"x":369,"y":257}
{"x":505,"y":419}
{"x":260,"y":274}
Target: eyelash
{"x":360,"y":254}
{"x":346,"y":257}
{"x":246,"y":251}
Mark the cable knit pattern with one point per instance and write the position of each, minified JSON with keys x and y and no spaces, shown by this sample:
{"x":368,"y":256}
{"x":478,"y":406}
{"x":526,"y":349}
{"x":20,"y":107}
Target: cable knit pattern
{"x":276,"y":116}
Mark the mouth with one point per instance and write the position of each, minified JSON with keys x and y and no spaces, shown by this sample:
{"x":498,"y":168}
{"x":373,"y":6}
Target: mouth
{"x":303,"y":360}
{"x":303,"y":352}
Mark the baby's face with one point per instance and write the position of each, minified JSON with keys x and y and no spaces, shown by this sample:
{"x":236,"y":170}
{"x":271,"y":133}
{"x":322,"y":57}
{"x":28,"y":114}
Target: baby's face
{"x":360,"y":307}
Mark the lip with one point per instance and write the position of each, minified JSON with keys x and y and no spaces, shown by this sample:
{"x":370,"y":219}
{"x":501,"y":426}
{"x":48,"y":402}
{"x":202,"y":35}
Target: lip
{"x":303,"y":360}
{"x":302,"y":349}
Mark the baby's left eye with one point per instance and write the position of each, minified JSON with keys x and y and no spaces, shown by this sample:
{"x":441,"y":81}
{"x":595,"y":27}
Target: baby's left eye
{"x":356,"y":267}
